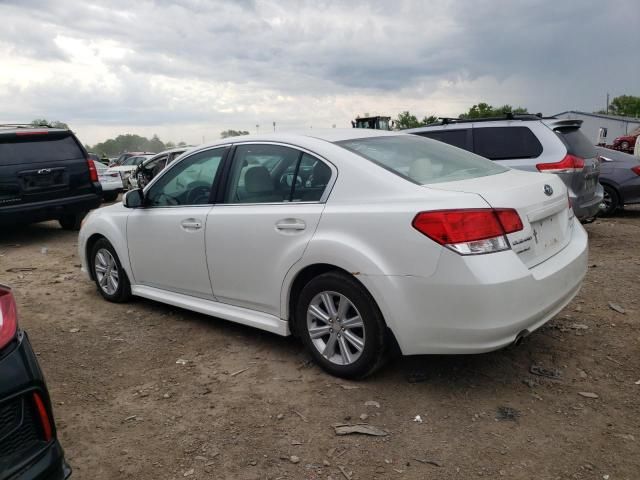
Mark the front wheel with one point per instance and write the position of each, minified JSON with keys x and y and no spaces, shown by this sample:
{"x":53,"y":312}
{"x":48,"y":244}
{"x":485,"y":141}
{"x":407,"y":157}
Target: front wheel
{"x":341,"y":325}
{"x":110,"y":277}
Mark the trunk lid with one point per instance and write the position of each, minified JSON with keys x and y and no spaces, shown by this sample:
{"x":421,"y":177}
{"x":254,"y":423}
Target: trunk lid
{"x":540,"y":200}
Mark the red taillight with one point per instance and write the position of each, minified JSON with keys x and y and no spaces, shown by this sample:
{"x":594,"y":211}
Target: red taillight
{"x":636,"y":169}
{"x":465,"y":230}
{"x":93,"y":172}
{"x":570,"y":163}
{"x":31,"y":132}
{"x":44,"y":417}
{"x":8,"y":317}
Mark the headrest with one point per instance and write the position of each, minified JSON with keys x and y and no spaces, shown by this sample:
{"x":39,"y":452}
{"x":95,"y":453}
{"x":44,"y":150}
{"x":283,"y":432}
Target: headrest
{"x":258,"y":180}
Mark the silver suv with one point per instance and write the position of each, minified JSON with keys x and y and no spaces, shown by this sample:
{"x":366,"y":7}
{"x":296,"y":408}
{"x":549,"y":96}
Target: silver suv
{"x":528,"y":142}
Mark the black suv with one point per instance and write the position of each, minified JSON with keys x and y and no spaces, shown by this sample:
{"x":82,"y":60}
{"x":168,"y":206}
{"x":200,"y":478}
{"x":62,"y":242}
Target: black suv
{"x":45,"y":174}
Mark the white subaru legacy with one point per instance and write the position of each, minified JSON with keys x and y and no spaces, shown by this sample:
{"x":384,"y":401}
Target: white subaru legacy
{"x":350,"y":239}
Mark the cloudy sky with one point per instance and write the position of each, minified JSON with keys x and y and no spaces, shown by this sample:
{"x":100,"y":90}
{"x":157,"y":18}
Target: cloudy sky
{"x":188,"y":69}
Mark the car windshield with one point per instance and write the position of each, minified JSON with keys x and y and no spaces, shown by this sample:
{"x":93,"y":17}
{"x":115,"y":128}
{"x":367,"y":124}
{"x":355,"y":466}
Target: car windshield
{"x":133,"y":160}
{"x":421,"y":160}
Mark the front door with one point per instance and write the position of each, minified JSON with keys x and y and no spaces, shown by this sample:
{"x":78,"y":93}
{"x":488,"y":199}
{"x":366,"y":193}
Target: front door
{"x":273,"y":201}
{"x":166,"y":237}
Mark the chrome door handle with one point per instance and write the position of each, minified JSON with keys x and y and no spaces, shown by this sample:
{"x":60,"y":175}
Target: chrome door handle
{"x":291,"y":224}
{"x":191,"y":224}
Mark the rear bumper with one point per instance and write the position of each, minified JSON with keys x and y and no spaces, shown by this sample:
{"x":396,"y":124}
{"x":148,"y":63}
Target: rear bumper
{"x":48,"y":210}
{"x":478,"y":303}
{"x":585,"y":209}
{"x":31,"y":457}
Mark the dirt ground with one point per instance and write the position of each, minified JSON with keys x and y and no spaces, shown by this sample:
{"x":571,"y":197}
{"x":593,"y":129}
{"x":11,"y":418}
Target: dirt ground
{"x":246,"y":404}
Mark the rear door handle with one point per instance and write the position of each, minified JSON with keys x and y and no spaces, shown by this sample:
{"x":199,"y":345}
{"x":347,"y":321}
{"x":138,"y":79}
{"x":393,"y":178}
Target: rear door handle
{"x":291,"y":224}
{"x":191,"y":224}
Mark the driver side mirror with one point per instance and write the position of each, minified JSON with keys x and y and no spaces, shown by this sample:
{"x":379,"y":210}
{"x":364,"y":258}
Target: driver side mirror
{"x":133,"y":198}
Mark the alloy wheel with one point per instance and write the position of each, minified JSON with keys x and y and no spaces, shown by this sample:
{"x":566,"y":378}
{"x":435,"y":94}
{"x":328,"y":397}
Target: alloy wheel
{"x":336,"y":328}
{"x":107,"y":272}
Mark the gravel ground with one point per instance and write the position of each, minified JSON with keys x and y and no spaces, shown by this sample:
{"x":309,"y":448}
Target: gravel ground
{"x":149,"y":391}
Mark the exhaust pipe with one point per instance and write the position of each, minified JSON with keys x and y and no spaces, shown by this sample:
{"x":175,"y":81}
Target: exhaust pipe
{"x":520,"y":336}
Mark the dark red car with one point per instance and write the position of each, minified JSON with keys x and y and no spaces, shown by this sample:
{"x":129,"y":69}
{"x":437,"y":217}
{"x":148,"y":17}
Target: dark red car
{"x":626,"y":142}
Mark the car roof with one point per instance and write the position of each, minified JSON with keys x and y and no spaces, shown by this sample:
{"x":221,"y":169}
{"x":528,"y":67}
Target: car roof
{"x":330,"y":135}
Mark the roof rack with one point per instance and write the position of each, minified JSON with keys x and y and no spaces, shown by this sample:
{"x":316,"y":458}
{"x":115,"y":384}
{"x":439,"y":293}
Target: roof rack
{"x":507,"y":116}
{"x":23,"y":125}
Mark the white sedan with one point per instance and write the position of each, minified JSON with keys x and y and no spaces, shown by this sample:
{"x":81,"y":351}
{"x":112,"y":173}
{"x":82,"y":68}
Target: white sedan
{"x":350,"y":239}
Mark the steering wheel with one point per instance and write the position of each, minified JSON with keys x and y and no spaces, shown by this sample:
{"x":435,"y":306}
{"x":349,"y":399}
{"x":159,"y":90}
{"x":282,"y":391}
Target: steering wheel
{"x":287,"y":179}
{"x":198,"y":196}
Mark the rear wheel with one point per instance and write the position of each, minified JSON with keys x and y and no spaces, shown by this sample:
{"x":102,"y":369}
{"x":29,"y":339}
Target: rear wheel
{"x":610,"y":201}
{"x":341,"y":325}
{"x":110,"y":277}
{"x":72,"y":221}
{"x":109,"y":196}
{"x":624,"y":145}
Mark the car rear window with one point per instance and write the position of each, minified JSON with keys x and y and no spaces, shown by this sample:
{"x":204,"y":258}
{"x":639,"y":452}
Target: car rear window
{"x":457,"y":138}
{"x":500,"y":143}
{"x":577,"y":143}
{"x":421,"y":160}
{"x":38,"y":148}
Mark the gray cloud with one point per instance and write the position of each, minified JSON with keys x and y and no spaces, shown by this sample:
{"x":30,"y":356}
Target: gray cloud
{"x":250,"y":58}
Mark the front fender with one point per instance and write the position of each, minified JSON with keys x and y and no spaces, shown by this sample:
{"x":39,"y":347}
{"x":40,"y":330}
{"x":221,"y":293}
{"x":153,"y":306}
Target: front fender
{"x":113,"y":227}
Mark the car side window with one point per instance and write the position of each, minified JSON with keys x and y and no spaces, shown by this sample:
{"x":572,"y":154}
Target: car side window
{"x":189,"y":182}
{"x":457,"y":138}
{"x":498,"y":143}
{"x":261,"y":173}
{"x":313,"y":176}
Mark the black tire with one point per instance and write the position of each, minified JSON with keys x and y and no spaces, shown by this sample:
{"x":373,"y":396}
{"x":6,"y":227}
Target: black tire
{"x":123,"y":291}
{"x":109,"y":196}
{"x":72,"y":222}
{"x":373,"y":353}
{"x":610,"y":202}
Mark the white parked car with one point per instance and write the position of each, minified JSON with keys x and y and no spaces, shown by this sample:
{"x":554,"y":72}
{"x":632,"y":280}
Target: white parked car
{"x":110,"y":181}
{"x":128,"y":167}
{"x":351,"y":239}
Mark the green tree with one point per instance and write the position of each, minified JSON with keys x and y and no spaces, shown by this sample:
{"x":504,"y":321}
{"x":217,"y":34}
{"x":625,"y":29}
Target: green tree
{"x":484,"y":110}
{"x":182,"y":144}
{"x":233,"y":133}
{"x":129,"y":143}
{"x":43,"y":122}
{"x":408,"y":120}
{"x":625,"y":105}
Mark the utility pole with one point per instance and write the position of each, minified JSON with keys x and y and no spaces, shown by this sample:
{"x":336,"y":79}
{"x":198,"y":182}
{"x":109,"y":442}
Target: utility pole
{"x":274,"y":127}
{"x":257,"y":128}
{"x":607,"y":103}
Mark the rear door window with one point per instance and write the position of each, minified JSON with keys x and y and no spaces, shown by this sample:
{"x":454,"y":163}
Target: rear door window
{"x":38,"y":148}
{"x":577,"y":143}
{"x":501,"y":143}
{"x":457,"y":138}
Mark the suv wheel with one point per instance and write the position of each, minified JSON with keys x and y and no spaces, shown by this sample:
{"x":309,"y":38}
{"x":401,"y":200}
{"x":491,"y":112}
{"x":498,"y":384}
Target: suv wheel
{"x":110,"y":277}
{"x":73,"y":221}
{"x":341,"y":325}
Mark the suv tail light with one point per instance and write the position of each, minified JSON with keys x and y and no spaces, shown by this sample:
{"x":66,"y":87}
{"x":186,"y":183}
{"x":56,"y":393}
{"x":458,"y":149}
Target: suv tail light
{"x":8,"y":317}
{"x":469,"y":231}
{"x":93,"y":172}
{"x":47,"y":431}
{"x":569,"y":164}
{"x":636,"y":169}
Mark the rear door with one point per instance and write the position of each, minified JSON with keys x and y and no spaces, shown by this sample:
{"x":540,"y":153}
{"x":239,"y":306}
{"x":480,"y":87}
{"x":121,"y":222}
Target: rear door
{"x":264,"y":222}
{"x":39,"y":165}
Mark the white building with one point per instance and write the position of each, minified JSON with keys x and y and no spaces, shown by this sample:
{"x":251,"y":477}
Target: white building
{"x":593,"y":122}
